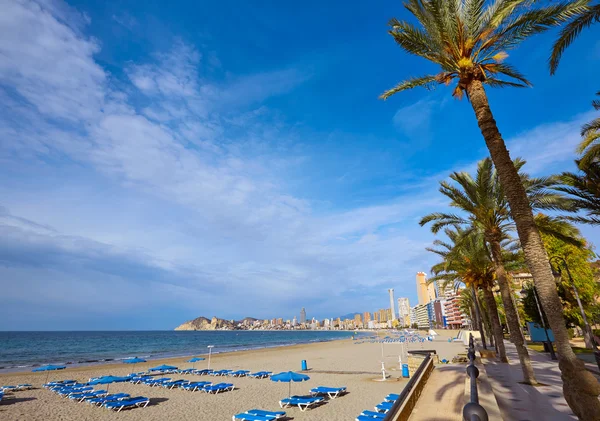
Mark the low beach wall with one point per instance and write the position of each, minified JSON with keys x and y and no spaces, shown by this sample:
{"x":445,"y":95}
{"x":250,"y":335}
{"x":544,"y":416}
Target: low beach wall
{"x":410,"y":395}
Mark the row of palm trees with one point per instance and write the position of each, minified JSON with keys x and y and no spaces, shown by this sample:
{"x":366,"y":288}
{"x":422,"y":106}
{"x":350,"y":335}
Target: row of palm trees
{"x":468,"y":40}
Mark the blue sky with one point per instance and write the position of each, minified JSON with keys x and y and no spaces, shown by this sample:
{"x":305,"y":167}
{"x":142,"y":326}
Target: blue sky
{"x":165,"y":161}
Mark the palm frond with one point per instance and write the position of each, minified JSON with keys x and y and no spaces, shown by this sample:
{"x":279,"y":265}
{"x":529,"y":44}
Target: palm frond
{"x":570,"y":32}
{"x":427,"y":82}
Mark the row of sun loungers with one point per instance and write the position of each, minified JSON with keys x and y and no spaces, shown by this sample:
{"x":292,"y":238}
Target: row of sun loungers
{"x":80,"y":392}
{"x":24,"y":386}
{"x":380,"y":410}
{"x":168,"y":383}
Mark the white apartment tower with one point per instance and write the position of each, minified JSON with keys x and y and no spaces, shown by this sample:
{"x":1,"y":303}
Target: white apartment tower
{"x":392,"y":304}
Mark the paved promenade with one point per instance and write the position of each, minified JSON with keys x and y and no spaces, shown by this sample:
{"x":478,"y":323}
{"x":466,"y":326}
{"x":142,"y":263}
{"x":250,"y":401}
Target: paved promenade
{"x":444,"y":394}
{"x":526,"y":403}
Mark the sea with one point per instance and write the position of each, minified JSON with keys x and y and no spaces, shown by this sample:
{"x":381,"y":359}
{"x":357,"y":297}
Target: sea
{"x":23,"y":351}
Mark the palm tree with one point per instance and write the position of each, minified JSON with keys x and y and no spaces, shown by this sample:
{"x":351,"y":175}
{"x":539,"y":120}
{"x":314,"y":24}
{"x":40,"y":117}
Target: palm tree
{"x":583,"y":190}
{"x":570,"y":32}
{"x":482,"y":199}
{"x":468,"y":39}
{"x":466,"y":260}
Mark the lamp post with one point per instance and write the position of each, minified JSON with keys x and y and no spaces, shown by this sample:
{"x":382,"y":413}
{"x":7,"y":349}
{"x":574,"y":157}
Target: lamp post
{"x":548,"y":341}
{"x":210,"y":347}
{"x":588,"y":329}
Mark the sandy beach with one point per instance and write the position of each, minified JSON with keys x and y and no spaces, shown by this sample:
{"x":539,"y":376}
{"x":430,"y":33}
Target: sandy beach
{"x":337,"y":363}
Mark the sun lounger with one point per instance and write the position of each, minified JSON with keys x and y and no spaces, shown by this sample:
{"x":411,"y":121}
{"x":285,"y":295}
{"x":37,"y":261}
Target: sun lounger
{"x":58,"y":383}
{"x":251,"y":417}
{"x":187,"y":371}
{"x":301,"y":402}
{"x":80,"y":397}
{"x":1,"y":395}
{"x":384,"y":407}
{"x":332,"y":392}
{"x":260,"y":374}
{"x":204,"y":372}
{"x":392,"y":397}
{"x":174,"y":383}
{"x":373,"y":415}
{"x":221,"y":372}
{"x":102,"y":400}
{"x":137,"y":402}
{"x":68,"y":391}
{"x":24,"y":386}
{"x":276,"y":414}
{"x":239,"y":373}
{"x":194,"y":386}
{"x":220,"y":387}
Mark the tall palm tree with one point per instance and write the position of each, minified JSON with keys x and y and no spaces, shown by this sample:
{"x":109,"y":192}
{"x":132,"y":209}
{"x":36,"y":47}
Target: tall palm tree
{"x":571,"y":31}
{"x":583,"y":190}
{"x":482,"y":199}
{"x":466,"y":260}
{"x":468,"y":39}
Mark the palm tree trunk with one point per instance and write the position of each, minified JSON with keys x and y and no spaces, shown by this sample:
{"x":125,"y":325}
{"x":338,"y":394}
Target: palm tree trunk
{"x":492,"y":312}
{"x":510,"y":311}
{"x":478,"y":315}
{"x":580,"y":388}
{"x":488,"y":329}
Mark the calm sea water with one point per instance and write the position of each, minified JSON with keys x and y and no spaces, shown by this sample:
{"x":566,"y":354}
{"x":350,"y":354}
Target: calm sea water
{"x":20,"y":351}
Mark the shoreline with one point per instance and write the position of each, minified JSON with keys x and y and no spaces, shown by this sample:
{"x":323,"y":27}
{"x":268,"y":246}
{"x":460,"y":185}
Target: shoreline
{"x":117,"y":362}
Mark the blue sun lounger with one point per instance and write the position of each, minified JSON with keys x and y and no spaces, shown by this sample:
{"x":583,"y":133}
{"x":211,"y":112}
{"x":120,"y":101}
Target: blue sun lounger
{"x":221,"y":372}
{"x":137,"y":402}
{"x":370,"y":415}
{"x":260,"y":374}
{"x":204,"y":372}
{"x":1,"y":395}
{"x":301,"y":402}
{"x":262,"y":412}
{"x":99,"y":401}
{"x":384,"y":407}
{"x":58,"y":383}
{"x":24,"y":386}
{"x":251,"y":417}
{"x":392,"y":397}
{"x":219,"y":387}
{"x":239,"y":373}
{"x":80,"y":397}
{"x":174,"y":383}
{"x":194,"y":386}
{"x":332,"y":392}
{"x":8,"y":388}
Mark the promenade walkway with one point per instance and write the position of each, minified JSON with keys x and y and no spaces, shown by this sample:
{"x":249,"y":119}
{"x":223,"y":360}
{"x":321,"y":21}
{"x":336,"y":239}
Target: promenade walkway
{"x":527,"y":403}
{"x":444,"y":394}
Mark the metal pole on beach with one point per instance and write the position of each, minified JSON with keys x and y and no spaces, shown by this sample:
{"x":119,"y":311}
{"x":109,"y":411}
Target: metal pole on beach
{"x":210,"y":347}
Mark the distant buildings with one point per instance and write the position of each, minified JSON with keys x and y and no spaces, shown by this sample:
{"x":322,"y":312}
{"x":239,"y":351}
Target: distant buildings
{"x":303,"y":315}
{"x":422,"y":316}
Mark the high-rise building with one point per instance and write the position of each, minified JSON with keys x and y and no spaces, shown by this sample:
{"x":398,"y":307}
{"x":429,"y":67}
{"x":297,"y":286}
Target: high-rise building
{"x":392,"y":304}
{"x":366,"y":317}
{"x":358,"y":321}
{"x":455,"y":319}
{"x":383,"y":315}
{"x":425,"y":292}
{"x":422,"y":292}
{"x":422,"y":314}
{"x":303,"y":315}
{"x":404,"y":311}
{"x":294,"y":321}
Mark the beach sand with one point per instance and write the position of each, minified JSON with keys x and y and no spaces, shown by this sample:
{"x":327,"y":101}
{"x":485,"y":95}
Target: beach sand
{"x":337,"y":363}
